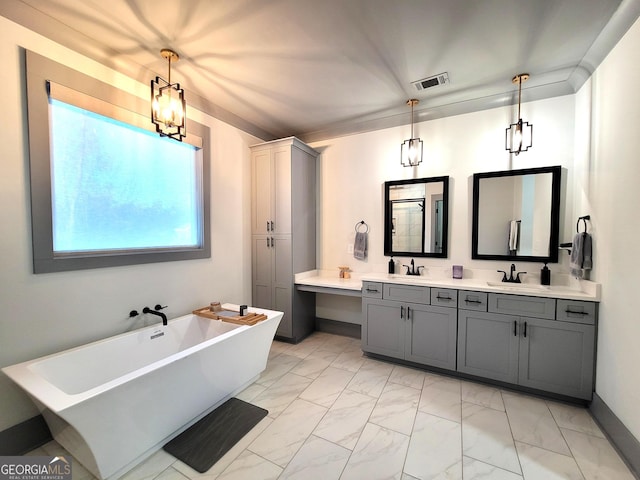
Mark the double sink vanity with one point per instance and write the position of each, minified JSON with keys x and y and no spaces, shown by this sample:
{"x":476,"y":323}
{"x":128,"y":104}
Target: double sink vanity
{"x":530,"y":336}
{"x":526,"y":335}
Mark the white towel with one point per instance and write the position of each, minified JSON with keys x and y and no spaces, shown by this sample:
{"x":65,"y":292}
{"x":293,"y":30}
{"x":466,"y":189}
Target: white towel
{"x":513,"y":236}
{"x":360,"y":246}
{"x":581,"y":259}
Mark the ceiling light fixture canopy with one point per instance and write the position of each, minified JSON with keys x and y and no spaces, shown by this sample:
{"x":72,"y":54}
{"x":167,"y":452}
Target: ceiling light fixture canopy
{"x":519,"y":135}
{"x":411,"y":149}
{"x":168,"y":108}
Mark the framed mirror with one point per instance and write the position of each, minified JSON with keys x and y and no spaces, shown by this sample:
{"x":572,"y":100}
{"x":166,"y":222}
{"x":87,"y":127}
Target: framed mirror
{"x":516,"y":215}
{"x":416,"y":217}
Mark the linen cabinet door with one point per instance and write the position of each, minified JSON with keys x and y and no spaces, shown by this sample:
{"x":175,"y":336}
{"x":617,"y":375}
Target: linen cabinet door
{"x":261,"y":192}
{"x":283,"y":283}
{"x":488,"y":345}
{"x":557,"y":357}
{"x":431,"y":336}
{"x":383,"y":327}
{"x":262,"y":272}
{"x":281,"y":214}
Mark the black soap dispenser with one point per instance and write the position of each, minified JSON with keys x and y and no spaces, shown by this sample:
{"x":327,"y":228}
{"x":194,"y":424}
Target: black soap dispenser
{"x":392,"y":266}
{"x":545,"y":275}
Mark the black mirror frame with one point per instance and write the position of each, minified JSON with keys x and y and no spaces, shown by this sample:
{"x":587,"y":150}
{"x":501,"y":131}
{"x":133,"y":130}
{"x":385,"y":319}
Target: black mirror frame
{"x":556,"y":172}
{"x":445,"y":217}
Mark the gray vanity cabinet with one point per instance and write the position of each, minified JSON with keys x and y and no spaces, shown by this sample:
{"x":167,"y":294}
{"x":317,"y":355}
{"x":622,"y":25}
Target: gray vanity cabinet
{"x":550,"y":354}
{"x":557,"y":356}
{"x":431,"y":336}
{"x":488,"y":345}
{"x":283,"y":231}
{"x":403,"y":325}
{"x":383,"y":329}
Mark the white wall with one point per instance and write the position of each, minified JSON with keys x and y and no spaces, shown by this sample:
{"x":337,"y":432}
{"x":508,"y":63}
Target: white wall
{"x":607,"y":172}
{"x":41,"y":314}
{"x":353,"y":169}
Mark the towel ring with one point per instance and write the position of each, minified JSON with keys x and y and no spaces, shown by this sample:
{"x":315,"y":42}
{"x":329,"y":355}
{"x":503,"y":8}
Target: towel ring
{"x":360,"y":224}
{"x":584,"y":220}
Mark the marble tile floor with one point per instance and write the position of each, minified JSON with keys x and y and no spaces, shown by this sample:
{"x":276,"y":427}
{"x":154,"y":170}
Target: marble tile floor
{"x":337,"y":414}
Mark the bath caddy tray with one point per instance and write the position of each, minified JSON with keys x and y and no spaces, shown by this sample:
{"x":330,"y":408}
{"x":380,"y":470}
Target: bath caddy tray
{"x":230,"y":316}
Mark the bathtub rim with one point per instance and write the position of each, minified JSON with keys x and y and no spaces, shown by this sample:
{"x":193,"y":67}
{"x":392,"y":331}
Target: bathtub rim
{"x":47,"y":395}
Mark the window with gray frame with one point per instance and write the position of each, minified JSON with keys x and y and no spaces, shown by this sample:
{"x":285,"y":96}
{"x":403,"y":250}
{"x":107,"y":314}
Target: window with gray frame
{"x":105,"y":189}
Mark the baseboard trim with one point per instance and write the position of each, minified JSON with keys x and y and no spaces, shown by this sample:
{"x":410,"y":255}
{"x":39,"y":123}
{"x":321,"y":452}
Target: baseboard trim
{"x":623,"y":440}
{"x":339,"y":328}
{"x":24,"y":437}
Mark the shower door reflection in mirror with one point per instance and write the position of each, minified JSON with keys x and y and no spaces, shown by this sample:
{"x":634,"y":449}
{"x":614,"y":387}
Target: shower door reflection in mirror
{"x":416,"y":217}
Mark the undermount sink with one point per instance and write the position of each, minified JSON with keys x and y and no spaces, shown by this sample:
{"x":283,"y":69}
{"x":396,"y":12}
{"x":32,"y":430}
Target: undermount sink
{"x":518,"y":286}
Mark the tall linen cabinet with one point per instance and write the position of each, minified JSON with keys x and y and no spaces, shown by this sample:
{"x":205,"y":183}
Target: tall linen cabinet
{"x":283,"y":231}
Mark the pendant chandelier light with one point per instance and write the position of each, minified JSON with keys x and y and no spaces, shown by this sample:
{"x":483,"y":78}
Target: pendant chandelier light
{"x":168,"y":108}
{"x":411,"y":150}
{"x":519,"y":135}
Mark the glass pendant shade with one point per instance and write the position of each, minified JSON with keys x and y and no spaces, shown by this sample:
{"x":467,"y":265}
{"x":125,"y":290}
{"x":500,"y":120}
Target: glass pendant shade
{"x":168,"y":107}
{"x":519,"y":137}
{"x":411,"y":150}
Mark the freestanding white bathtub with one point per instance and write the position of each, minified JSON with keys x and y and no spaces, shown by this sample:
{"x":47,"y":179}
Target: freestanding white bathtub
{"x":114,"y":402}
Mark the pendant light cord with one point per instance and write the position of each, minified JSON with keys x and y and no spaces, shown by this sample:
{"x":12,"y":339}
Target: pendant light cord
{"x":519,"y":94}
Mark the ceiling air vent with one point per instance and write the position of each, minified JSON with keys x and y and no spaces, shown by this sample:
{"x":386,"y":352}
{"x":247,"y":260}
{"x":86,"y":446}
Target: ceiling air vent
{"x":434,"y":81}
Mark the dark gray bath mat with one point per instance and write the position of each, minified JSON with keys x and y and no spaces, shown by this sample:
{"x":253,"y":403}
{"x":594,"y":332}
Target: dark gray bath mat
{"x":205,"y":442}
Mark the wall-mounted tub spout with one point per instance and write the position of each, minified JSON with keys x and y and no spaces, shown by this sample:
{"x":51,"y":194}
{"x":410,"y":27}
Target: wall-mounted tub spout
{"x":156,"y":312}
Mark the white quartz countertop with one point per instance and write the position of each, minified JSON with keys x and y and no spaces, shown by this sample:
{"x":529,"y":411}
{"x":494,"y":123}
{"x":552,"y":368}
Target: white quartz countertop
{"x":570,"y":289}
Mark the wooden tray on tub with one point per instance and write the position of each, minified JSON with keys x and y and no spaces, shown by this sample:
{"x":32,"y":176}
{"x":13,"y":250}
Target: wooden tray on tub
{"x":230,"y":316}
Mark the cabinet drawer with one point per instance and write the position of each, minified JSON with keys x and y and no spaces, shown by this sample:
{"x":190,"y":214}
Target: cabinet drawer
{"x":576,"y":311}
{"x":406,"y":293}
{"x":476,"y":301}
{"x":538,"y":307}
{"x":372,"y":289}
{"x":444,"y":297}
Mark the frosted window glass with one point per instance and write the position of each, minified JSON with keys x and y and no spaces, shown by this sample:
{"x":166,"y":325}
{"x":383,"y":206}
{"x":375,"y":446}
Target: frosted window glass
{"x":118,"y":187}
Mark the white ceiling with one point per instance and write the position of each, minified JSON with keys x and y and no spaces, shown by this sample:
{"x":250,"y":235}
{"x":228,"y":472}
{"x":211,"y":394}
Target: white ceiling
{"x":323,"y":68}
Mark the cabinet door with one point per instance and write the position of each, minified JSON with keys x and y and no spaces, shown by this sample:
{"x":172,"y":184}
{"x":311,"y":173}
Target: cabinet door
{"x":431,"y":336}
{"x":261,"y":192}
{"x":262,"y":272}
{"x":282,"y":283}
{"x":557,"y":357}
{"x":281,"y":214}
{"x":488,"y":345}
{"x":383,"y":331}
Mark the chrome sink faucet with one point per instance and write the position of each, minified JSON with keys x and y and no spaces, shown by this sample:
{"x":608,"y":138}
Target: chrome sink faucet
{"x":511,"y":279}
{"x":412,"y":269}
